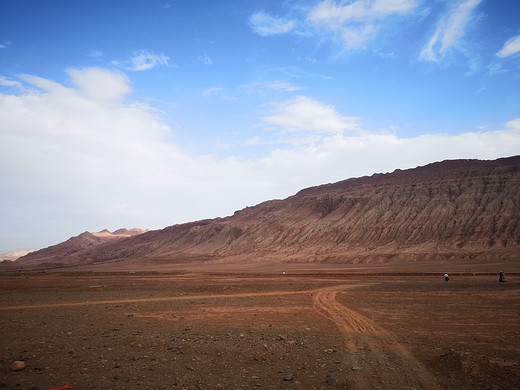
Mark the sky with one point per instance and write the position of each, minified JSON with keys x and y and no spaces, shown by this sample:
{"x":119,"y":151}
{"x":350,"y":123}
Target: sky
{"x":125,"y":113}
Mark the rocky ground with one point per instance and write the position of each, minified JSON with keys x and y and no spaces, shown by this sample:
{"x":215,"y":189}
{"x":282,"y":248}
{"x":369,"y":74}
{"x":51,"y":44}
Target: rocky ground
{"x":168,"y":330}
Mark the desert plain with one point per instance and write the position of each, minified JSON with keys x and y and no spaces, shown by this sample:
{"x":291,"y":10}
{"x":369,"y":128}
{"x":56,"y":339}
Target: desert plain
{"x":271,"y":327}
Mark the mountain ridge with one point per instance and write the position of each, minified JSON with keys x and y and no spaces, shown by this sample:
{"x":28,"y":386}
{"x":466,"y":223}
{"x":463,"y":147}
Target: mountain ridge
{"x":455,"y":209}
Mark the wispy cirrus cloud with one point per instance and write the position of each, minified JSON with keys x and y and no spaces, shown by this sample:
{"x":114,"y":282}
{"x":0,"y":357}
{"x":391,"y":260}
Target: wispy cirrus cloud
{"x":352,"y":24}
{"x":218,"y":92}
{"x":6,"y":44}
{"x":265,"y":24}
{"x":206,"y":60}
{"x":337,"y":15}
{"x":213,"y":91}
{"x":511,"y":47}
{"x":278,"y":86}
{"x":95,"y":53}
{"x":450,"y":29}
{"x":144,"y":60}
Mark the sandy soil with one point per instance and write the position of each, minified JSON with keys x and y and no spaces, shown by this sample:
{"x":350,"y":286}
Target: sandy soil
{"x":167,"y":330}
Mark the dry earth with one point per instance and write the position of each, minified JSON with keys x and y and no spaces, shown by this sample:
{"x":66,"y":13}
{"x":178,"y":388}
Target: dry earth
{"x":307,"y":330}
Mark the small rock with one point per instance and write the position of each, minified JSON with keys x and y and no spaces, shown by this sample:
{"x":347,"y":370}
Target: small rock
{"x":18,"y":365}
{"x":357,"y":368}
{"x":331,"y":381}
{"x":289,"y":377}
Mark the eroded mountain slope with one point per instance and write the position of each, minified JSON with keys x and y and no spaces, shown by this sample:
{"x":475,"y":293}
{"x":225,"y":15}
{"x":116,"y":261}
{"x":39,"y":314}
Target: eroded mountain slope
{"x":464,"y":209}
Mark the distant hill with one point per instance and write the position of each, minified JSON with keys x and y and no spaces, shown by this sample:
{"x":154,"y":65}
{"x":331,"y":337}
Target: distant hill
{"x":60,"y":253}
{"x":13,"y":255}
{"x":455,"y":209}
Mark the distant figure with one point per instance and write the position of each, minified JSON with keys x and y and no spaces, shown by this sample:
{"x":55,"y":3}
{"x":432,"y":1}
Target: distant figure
{"x":502,"y":277}
{"x":446,"y":278}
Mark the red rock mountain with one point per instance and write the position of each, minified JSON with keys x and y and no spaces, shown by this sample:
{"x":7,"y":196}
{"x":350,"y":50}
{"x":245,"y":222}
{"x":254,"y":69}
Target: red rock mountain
{"x":61,"y":253}
{"x":456,"y":209}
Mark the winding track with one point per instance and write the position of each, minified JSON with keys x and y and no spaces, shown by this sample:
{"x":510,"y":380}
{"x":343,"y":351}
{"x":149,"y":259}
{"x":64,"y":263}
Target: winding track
{"x":375,"y":352}
{"x":176,"y":298}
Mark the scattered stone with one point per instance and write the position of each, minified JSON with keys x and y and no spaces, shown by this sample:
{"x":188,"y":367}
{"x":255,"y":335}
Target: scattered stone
{"x":289,"y":377}
{"x":357,"y":368}
{"x":18,"y":365}
{"x":331,"y":381}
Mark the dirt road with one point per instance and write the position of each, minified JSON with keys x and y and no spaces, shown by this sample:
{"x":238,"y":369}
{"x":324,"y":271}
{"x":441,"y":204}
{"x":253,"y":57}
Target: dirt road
{"x":165,"y":331}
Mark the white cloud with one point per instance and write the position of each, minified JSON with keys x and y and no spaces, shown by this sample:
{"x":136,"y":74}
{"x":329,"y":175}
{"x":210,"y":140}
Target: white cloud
{"x":67,"y":148}
{"x":205,"y":60}
{"x":264,"y":24}
{"x":336,"y":14}
{"x":511,"y":47}
{"x":303,"y":114}
{"x":219,"y":93}
{"x":100,"y":84}
{"x":95,"y":53}
{"x":144,"y":60}
{"x":7,"y":82}
{"x":70,"y":162}
{"x":355,"y":23}
{"x":340,"y":156}
{"x":6,"y":44}
{"x":450,"y":30}
{"x":279,"y":86}
{"x":212,"y":91}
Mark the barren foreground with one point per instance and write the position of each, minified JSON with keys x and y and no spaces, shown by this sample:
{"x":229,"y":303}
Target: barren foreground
{"x":169,"y":330}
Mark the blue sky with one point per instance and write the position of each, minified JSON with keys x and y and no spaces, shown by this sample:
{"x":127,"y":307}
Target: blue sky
{"x":146,"y":114}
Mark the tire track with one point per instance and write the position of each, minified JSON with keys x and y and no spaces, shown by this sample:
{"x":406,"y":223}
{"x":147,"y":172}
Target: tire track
{"x":380,"y":360}
{"x":180,"y":298}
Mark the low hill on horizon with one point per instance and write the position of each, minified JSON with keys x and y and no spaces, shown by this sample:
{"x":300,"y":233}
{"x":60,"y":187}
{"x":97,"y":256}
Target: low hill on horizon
{"x":77,"y":244}
{"x":455,"y":209}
